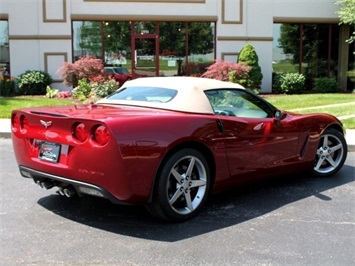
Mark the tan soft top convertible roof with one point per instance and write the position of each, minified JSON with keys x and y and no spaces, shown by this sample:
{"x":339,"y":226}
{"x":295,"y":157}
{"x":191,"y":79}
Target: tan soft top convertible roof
{"x":190,"y":95}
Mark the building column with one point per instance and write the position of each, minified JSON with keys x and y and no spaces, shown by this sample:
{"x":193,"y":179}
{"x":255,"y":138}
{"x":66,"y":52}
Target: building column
{"x":343,"y":56}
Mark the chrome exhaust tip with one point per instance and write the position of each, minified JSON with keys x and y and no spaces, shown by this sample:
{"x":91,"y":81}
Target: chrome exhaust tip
{"x":45,"y":184}
{"x":69,"y":192}
{"x":61,"y":191}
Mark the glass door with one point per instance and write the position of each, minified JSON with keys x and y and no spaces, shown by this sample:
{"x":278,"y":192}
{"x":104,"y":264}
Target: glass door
{"x":145,"y":63}
{"x":145,"y":49}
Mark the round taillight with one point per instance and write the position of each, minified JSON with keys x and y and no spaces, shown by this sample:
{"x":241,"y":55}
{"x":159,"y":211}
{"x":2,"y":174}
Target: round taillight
{"x":15,"y":123}
{"x":23,"y":124}
{"x":80,"y":132}
{"x":101,"y":135}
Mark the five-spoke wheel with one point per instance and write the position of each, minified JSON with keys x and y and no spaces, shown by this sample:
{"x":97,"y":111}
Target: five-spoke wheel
{"x":181,"y":187}
{"x":331,"y":153}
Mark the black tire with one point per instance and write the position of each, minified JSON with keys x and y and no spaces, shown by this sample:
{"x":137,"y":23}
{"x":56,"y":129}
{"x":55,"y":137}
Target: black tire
{"x":331,"y":153}
{"x":181,"y":187}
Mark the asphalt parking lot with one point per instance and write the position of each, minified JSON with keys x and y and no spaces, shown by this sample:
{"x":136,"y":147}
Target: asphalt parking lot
{"x":292,"y":220}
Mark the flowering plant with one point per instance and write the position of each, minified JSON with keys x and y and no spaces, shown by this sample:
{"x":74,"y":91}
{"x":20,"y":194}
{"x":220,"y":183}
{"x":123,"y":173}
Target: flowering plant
{"x":92,"y":91}
{"x":103,"y":89}
{"x":82,"y":91}
{"x":86,"y":67}
{"x":64,"y":94}
{"x":227,"y":71}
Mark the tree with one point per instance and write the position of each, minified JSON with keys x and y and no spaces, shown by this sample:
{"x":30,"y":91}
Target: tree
{"x":173,"y":37}
{"x":289,"y":40}
{"x":249,"y":57}
{"x":312,"y":36}
{"x":313,"y":47}
{"x":117,"y":36}
{"x":200,"y":38}
{"x":90,"y":38}
{"x":346,"y":14}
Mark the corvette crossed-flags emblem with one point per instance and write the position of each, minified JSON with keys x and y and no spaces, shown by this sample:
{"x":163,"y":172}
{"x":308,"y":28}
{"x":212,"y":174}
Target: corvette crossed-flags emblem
{"x":46,"y":124}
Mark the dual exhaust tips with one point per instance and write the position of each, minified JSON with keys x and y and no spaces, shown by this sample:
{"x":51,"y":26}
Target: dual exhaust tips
{"x":68,"y":191}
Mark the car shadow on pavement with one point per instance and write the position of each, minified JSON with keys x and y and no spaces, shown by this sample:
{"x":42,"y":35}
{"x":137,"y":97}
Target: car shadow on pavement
{"x":221,"y":210}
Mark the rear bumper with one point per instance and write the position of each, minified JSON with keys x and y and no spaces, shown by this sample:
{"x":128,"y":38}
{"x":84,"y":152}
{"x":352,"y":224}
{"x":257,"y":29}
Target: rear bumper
{"x":79,"y":186}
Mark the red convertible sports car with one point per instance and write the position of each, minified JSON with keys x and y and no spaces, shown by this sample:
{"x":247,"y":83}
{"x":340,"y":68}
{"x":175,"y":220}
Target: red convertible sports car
{"x":121,"y":74}
{"x":169,"y":142}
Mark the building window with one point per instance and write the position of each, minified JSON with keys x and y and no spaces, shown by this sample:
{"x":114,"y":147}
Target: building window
{"x":310,"y":49}
{"x":145,"y":46}
{"x":4,"y":46}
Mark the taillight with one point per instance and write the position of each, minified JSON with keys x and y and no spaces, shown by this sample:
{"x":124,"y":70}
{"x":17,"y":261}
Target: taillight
{"x":98,"y":133}
{"x":23,"y":124}
{"x":15,"y":122}
{"x":80,"y":132}
{"x":101,"y":135}
{"x":19,"y":123}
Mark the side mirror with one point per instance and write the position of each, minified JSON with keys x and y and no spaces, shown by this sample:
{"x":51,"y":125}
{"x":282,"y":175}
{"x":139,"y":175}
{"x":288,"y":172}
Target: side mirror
{"x":278,"y":114}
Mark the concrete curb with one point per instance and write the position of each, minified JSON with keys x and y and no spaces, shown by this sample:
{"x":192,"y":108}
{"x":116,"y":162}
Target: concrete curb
{"x":5,"y":128}
{"x":350,"y":139}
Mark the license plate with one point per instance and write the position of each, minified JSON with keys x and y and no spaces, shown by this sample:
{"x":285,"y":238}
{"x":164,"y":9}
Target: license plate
{"x":49,"y":152}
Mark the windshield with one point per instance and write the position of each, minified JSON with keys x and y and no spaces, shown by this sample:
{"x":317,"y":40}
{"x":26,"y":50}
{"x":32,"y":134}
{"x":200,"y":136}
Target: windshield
{"x":121,"y":70}
{"x":147,"y":94}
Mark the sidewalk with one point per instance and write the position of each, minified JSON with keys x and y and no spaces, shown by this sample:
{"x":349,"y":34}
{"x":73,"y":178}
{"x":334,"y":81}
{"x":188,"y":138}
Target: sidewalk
{"x":5,"y":132}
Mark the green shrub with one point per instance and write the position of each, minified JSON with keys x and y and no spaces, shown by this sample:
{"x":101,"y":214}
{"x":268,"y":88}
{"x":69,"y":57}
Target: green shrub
{"x":324,"y":85}
{"x":51,"y":93}
{"x":82,"y":91}
{"x":249,"y":57}
{"x":7,"y":86}
{"x":105,"y":88}
{"x":90,"y":91}
{"x":33,"y":82}
{"x":292,"y":83}
{"x":276,"y":83}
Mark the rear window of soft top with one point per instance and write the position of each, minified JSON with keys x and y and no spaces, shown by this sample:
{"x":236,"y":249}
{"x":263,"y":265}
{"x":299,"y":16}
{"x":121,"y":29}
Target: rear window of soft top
{"x":145,"y":94}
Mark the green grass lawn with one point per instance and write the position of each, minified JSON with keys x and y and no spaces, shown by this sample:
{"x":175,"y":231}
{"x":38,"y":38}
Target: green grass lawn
{"x":349,"y":123}
{"x":295,"y":103}
{"x":288,"y":102}
{"x":300,"y":103}
{"x":285,"y":68}
{"x":7,"y":104}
